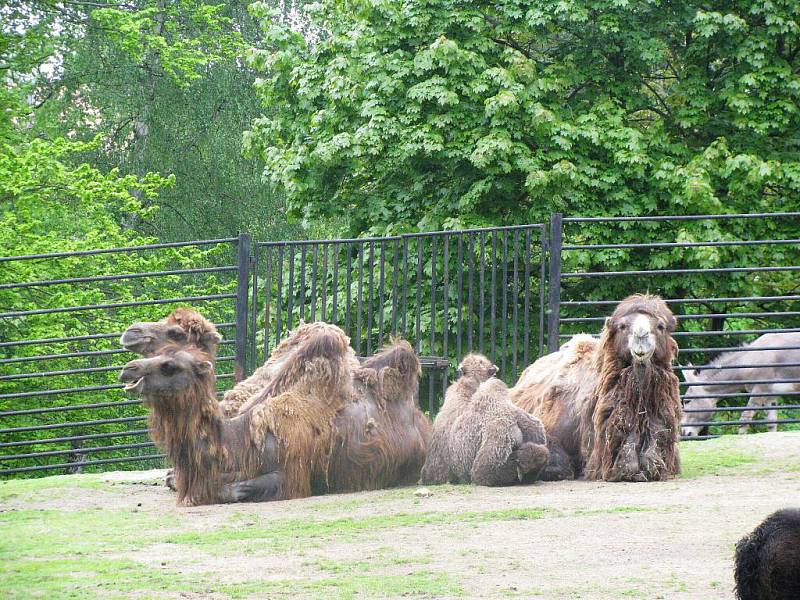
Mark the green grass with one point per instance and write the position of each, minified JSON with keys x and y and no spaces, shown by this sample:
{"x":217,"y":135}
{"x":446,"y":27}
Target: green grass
{"x":713,"y":457}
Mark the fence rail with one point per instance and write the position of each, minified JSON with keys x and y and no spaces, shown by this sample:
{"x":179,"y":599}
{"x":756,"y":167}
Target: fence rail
{"x":507,"y":292}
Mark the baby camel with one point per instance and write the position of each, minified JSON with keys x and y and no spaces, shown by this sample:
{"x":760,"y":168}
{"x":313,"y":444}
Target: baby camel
{"x":479,"y":436}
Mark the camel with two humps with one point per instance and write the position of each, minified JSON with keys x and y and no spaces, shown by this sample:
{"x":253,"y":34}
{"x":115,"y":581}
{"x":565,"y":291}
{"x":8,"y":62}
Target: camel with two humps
{"x":610,"y":407}
{"x":380,"y":435}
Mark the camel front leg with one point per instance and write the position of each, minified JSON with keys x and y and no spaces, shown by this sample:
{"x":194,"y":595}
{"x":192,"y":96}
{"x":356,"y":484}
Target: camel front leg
{"x":259,"y":489}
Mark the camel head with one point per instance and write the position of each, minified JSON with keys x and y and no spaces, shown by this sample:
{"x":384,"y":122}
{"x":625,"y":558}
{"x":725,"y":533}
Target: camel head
{"x":696,"y":398}
{"x":172,"y":374}
{"x":638,"y":332}
{"x":476,"y":366}
{"x":182,"y":326}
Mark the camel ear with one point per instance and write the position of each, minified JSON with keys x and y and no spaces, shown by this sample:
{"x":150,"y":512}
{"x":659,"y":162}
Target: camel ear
{"x":607,"y":323}
{"x":459,"y":372}
{"x":205,"y":367}
{"x":212,"y":337}
{"x":493,"y":370}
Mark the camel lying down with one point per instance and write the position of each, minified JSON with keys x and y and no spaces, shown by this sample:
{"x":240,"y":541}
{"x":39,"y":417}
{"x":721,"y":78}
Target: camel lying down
{"x":479,"y":436}
{"x":610,"y":407}
{"x":378,"y":436}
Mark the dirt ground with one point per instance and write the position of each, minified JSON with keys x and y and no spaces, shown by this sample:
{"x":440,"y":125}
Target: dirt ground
{"x":575,"y":539}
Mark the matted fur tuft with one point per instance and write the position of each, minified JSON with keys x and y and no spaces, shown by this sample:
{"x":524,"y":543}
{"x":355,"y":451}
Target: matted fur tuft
{"x":281,"y":369}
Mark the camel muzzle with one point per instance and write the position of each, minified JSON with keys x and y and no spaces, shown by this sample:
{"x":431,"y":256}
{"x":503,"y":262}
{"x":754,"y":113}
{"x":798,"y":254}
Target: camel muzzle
{"x":133,"y":379}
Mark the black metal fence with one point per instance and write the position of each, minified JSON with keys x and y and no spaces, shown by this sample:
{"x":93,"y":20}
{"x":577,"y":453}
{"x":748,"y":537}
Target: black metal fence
{"x":61,"y":407}
{"x":448,"y":293}
{"x":728,"y":278}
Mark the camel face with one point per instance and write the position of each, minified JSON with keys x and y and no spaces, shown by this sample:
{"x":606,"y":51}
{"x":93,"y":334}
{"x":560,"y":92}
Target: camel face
{"x":146,"y":338}
{"x":477,"y":367}
{"x":639,"y":337}
{"x":170,"y":374}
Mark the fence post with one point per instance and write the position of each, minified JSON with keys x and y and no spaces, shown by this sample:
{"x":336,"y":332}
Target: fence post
{"x":554,"y":297}
{"x":242,"y":289}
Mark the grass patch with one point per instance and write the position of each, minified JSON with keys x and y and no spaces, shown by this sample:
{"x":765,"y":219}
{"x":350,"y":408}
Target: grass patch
{"x":288,"y":534}
{"x":38,"y":487}
{"x":721,"y":456}
{"x":413,"y":584}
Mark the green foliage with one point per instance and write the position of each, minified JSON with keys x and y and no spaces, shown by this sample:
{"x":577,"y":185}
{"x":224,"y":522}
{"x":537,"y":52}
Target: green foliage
{"x":450,"y":114}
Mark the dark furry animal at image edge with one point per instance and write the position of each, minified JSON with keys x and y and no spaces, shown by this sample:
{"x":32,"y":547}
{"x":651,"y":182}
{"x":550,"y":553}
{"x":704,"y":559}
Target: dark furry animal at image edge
{"x":768,"y":559}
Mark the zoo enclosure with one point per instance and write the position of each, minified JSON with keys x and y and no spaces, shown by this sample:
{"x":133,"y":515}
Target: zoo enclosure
{"x":448,"y":293}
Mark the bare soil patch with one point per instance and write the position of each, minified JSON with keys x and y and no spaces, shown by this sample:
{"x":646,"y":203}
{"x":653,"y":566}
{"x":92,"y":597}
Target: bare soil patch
{"x":553,"y":540}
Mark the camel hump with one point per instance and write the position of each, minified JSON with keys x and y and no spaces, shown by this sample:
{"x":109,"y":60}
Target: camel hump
{"x":196,"y":325}
{"x":318,"y":361}
{"x":398,"y":355}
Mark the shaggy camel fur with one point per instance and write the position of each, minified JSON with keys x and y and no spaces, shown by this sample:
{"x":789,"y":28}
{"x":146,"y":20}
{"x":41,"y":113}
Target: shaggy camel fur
{"x":768,"y":559}
{"x":183,"y":326}
{"x":278,"y":450}
{"x":479,"y":436}
{"x":381,"y":435}
{"x":611,"y":407}
{"x":187,"y":327}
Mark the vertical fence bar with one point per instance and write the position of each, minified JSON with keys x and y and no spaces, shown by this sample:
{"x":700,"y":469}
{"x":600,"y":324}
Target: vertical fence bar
{"x":302,"y":307}
{"x":371,"y":295}
{"x":432,"y":350}
{"x":335,"y":284}
{"x":313,"y":303}
{"x":470,"y":281}
{"x":349,"y":293}
{"x":395,"y":259}
{"x":419,"y":294}
{"x":554,"y":298}
{"x":267,"y":297}
{"x":481,"y":290}
{"x":279,"y":304}
{"x":493,"y":316}
{"x":254,"y":313}
{"x":445,"y":307}
{"x":526,"y":258}
{"x":324,"y":298}
{"x":242,"y":283}
{"x":515,"y":305}
{"x":459,"y":283}
{"x":381,"y":281}
{"x":403,"y":313}
{"x":290,"y":290}
{"x":359,"y":296}
{"x":504,"y":313}
{"x":542,"y":283}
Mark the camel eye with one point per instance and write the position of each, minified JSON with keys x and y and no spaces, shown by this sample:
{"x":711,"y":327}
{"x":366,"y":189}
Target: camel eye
{"x":661,"y":327}
{"x":169,"y":368}
{"x":623,"y":326}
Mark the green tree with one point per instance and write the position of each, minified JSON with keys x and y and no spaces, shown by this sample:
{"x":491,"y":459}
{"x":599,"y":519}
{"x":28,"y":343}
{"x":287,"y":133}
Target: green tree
{"x":444,"y":113}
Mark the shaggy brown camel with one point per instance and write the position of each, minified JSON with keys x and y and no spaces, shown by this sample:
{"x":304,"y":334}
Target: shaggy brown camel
{"x":611,"y":407}
{"x":479,"y":436}
{"x":278,"y":450}
{"x":768,"y":559}
{"x":182,"y":326}
{"x":381,"y":435}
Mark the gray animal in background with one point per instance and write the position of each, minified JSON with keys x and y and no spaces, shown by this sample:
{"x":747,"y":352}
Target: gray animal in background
{"x":480,"y":437}
{"x":764,"y":361}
